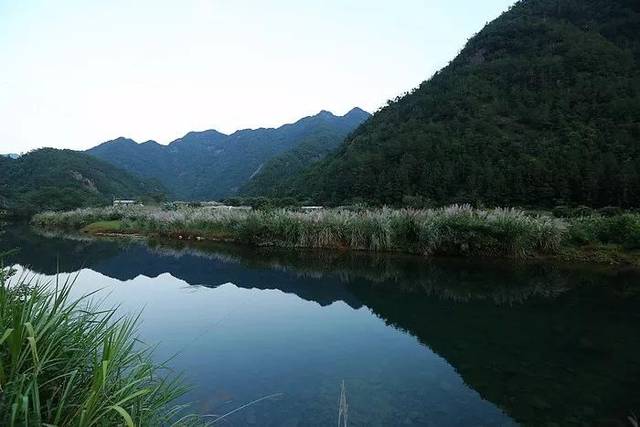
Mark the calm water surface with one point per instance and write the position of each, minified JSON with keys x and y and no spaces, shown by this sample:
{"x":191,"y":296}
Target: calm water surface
{"x":416,"y":342}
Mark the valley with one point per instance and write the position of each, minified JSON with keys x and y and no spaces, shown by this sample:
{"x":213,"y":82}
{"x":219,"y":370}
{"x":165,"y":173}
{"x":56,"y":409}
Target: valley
{"x":466,"y":254}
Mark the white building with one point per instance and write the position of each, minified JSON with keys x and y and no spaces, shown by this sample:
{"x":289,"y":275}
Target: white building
{"x":120,"y":202}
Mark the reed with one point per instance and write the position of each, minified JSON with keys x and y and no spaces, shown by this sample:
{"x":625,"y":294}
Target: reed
{"x":66,"y":362}
{"x":454,"y":230}
{"x":79,"y":218}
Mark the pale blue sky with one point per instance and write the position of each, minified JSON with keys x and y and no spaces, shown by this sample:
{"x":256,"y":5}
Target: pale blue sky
{"x":75,"y":73}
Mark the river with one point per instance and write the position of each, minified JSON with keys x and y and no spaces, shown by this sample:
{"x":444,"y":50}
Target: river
{"x":416,"y":342}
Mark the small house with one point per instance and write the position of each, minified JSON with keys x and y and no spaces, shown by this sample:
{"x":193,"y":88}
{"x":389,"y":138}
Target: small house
{"x":121,"y":202}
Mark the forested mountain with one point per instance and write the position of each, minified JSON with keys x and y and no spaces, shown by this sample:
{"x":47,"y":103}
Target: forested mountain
{"x":273,"y":177}
{"x":540,"y":108}
{"x":212,"y":165}
{"x":64,"y":179}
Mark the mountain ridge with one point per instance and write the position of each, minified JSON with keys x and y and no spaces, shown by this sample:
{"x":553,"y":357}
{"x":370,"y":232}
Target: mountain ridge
{"x":210,"y":164}
{"x":356,"y":111}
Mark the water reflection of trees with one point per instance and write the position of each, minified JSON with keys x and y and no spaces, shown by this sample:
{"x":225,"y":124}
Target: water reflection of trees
{"x":459,"y":280}
{"x":501,"y":282}
{"x":572,"y":360}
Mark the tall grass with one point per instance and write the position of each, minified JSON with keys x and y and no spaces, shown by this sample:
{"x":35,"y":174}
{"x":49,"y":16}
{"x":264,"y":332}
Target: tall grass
{"x":454,"y":230}
{"x":620,"y":229}
{"x":65,"y":362}
{"x":76,"y":219}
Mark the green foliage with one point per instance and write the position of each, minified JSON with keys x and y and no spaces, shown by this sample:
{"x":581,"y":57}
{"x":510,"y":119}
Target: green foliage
{"x":620,"y":229}
{"x":580,"y":211}
{"x":541,"y":108}
{"x":610,"y":211}
{"x":562,"y":211}
{"x":49,"y":179}
{"x":262,"y":202}
{"x":78,"y":219}
{"x":273,"y":178}
{"x":416,"y":202}
{"x":112,"y":226}
{"x":153,"y":198}
{"x":66,"y":362}
{"x":456,"y":230}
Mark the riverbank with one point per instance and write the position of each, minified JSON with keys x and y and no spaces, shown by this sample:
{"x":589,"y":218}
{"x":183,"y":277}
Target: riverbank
{"x":454,"y":230}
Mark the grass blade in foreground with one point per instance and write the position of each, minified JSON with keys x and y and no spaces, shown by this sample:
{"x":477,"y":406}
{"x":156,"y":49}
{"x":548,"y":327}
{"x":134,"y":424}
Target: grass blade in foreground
{"x":64,"y":362}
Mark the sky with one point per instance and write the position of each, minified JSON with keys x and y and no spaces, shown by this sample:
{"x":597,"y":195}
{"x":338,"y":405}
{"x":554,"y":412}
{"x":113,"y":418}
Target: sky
{"x":75,"y":73}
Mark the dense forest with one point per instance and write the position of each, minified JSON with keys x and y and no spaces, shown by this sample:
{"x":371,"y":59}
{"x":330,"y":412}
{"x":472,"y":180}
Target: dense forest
{"x":541,"y":108}
{"x":65,"y":179}
{"x":211,"y":165}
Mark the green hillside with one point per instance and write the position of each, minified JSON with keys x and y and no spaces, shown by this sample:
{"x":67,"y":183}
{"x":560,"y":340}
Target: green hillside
{"x":63,"y":179}
{"x":273,"y":177}
{"x":541,"y":108}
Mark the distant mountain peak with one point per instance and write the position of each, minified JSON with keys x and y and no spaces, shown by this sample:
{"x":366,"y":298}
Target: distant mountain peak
{"x":354,"y":112}
{"x":208,"y":132}
{"x":124,"y":139}
{"x":205,"y":136}
{"x":121,"y":140}
{"x":357,"y":112}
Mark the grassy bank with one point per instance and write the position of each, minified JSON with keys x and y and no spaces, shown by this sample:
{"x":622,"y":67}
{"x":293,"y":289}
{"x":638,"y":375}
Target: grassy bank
{"x":454,"y":230}
{"x":65,"y":362}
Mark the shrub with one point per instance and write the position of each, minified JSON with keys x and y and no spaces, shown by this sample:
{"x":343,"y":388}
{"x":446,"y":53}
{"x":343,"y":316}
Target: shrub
{"x":620,"y":229}
{"x":610,"y":211}
{"x":562,"y":211}
{"x":581,"y":211}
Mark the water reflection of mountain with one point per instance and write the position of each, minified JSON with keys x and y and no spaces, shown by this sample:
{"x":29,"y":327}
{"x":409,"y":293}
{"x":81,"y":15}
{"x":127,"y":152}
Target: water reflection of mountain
{"x":326,"y":274}
{"x":560,"y":346}
{"x":128,"y":260}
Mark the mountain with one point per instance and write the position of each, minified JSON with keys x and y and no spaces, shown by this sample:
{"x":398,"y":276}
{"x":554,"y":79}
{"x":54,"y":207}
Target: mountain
{"x":10,"y":155}
{"x":272,"y":179}
{"x":64,"y":179}
{"x":212,"y":165}
{"x":540,"y":108}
